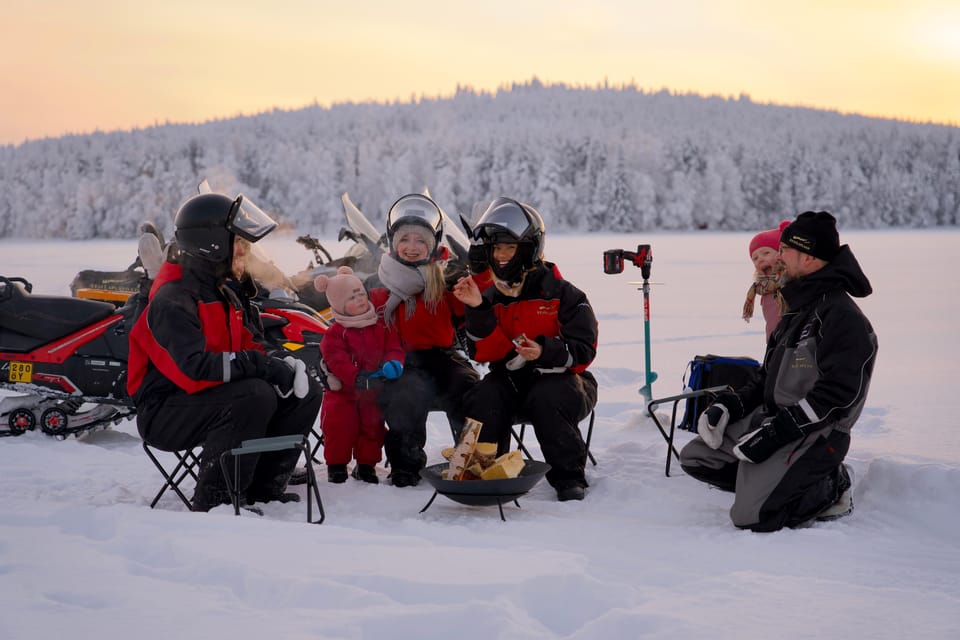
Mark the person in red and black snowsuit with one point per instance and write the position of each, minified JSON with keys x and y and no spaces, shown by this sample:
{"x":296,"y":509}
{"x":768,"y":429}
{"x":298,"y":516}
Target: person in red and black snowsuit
{"x":363,"y":355}
{"x":539,"y":333}
{"x":197,"y":372}
{"x":416,"y":300}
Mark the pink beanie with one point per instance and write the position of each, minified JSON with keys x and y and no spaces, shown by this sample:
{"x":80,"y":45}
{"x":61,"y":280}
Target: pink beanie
{"x":339,"y":288}
{"x":769,"y":238}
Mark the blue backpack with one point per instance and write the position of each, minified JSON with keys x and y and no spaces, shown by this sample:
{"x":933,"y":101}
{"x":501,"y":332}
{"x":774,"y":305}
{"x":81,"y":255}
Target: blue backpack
{"x":708,"y":371}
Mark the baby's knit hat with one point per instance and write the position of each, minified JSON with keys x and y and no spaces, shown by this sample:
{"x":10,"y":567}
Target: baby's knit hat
{"x":339,"y":288}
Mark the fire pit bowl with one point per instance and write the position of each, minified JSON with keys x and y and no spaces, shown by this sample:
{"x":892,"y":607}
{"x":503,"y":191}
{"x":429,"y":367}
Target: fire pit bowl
{"x":484,"y":493}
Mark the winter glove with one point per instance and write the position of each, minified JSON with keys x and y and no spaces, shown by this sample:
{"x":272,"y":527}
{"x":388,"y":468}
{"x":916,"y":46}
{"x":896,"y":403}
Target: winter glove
{"x":369,"y":381}
{"x":774,"y":432}
{"x":301,"y":383}
{"x":390,"y":370}
{"x":712,"y":423}
{"x":477,"y":258}
{"x":281,"y":374}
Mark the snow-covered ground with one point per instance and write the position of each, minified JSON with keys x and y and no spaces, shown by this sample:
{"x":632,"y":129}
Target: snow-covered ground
{"x":83,"y":556}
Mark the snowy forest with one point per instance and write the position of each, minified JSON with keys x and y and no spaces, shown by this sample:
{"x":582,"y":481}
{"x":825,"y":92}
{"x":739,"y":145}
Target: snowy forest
{"x":590,"y":159}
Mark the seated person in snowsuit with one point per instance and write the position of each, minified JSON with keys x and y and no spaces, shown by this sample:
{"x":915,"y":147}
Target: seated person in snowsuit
{"x":539,"y":333}
{"x":779,"y":441}
{"x":362,"y":354}
{"x":198,"y":372}
{"x":416,"y":300}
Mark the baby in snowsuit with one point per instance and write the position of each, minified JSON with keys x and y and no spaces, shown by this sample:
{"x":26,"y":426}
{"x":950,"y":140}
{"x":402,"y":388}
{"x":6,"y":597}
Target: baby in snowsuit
{"x":363,"y":354}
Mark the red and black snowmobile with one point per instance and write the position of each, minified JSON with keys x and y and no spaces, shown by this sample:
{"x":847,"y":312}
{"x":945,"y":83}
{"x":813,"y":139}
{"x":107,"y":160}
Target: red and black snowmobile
{"x":61,"y":355}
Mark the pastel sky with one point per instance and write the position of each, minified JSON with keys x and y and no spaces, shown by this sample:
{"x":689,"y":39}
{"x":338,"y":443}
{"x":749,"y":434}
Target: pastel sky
{"x":75,"y":67}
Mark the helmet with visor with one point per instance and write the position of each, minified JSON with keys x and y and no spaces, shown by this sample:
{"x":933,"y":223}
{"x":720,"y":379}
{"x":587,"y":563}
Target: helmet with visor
{"x":207,"y":223}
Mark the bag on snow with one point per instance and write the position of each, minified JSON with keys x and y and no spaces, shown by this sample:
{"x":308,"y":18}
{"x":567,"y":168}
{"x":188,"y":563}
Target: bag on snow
{"x":708,"y":371}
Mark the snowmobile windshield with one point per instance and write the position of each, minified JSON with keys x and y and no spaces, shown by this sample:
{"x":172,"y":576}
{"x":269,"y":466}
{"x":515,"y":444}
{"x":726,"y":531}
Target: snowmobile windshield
{"x":248,"y":221}
{"x":504,"y":217}
{"x":415,"y":209}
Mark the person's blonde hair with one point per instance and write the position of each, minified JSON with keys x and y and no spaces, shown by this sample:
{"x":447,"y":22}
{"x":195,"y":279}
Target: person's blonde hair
{"x":434,"y":285}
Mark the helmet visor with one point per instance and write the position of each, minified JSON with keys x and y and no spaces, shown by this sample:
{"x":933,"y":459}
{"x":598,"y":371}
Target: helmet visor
{"x":503,"y":216}
{"x":248,"y":221}
{"x":415,"y":209}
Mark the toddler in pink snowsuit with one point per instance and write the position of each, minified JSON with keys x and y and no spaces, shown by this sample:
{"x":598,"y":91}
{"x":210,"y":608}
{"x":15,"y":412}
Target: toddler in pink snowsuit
{"x":363,"y":354}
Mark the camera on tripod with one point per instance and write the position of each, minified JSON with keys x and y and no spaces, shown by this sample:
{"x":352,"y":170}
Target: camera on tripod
{"x":643,"y":257}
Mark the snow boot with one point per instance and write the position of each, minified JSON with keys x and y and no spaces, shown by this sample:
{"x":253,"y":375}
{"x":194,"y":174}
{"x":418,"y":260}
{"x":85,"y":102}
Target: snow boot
{"x":207,"y":497}
{"x":844,"y":503}
{"x":401,"y":478}
{"x":365,"y":472}
{"x":572,"y":492}
{"x":281,"y":496}
{"x":337,"y":473}
{"x":299,"y":476}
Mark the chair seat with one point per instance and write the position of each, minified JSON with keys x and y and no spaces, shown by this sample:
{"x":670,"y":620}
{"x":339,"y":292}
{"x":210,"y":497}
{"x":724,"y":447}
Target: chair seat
{"x":264,"y":445}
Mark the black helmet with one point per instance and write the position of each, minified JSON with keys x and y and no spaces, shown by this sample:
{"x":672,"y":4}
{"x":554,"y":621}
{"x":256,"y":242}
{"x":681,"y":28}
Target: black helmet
{"x":506,"y":220}
{"x":416,"y":209}
{"x":206,"y":224}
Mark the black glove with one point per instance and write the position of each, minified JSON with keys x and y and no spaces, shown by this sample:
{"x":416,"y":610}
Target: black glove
{"x":280,"y":374}
{"x":365,"y":383}
{"x":477,"y":258}
{"x":774,"y":432}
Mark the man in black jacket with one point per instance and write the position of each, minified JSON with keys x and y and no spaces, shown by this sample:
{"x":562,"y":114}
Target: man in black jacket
{"x":779,"y":441}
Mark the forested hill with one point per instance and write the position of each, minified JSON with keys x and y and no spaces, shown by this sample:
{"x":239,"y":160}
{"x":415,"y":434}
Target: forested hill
{"x":589,"y":159}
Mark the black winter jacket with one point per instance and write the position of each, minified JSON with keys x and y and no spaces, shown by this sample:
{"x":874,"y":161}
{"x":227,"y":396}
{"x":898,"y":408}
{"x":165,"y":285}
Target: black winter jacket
{"x":820,"y":358}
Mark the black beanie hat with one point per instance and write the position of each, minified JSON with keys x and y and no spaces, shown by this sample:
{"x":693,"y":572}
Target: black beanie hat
{"x":813,"y":233}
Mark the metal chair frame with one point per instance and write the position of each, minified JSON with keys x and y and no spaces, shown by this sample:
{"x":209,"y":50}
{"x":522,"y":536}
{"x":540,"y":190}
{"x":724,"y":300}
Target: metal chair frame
{"x":187,"y":462}
{"x":712,"y":392}
{"x":523,"y":426}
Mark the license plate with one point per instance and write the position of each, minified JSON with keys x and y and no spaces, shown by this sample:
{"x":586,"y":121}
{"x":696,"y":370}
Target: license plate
{"x":21,"y":372}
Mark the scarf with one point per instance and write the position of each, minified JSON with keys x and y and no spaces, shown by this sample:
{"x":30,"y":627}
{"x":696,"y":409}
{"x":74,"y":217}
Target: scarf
{"x":365,"y":319}
{"x":762,"y":285}
{"x":403,"y":282}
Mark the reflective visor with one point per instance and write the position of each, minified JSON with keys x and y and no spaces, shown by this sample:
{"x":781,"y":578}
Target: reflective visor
{"x":248,"y":221}
{"x":502,"y":216}
{"x":414,"y":209}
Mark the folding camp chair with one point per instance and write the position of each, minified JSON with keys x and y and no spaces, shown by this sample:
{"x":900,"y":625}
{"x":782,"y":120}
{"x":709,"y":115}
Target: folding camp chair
{"x":264,"y":445}
{"x":187,"y":462}
{"x":710,"y":392}
{"x":523,"y":426}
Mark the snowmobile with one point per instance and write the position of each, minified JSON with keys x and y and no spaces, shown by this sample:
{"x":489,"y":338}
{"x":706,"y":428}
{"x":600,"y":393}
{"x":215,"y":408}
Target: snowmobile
{"x":65,"y":358}
{"x":59,"y":355}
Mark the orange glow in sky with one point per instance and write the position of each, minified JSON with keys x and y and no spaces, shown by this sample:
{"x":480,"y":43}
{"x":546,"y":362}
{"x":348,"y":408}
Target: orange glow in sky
{"x":76,"y":67}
